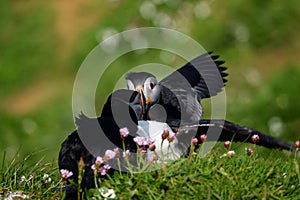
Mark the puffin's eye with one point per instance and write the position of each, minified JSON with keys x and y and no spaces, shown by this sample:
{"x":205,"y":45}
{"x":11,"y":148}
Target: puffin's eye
{"x":152,"y":85}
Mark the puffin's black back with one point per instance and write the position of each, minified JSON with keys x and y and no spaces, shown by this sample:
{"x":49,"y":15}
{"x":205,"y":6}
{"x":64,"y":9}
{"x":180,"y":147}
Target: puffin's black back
{"x":95,"y":135}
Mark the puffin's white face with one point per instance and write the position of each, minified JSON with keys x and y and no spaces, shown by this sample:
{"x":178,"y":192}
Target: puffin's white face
{"x":130,"y":85}
{"x":150,"y":89}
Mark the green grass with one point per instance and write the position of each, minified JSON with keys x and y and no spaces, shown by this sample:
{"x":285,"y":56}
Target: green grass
{"x":260,"y":176}
{"x":237,"y":177}
{"x":34,"y":184}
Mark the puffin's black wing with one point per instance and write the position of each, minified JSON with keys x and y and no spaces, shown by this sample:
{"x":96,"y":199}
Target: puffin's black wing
{"x":204,"y":74}
{"x":180,"y":103}
{"x":222,"y":130}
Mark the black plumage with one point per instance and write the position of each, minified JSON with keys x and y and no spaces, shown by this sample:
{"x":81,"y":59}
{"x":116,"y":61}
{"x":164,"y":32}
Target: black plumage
{"x":205,"y":74}
{"x":221,"y":131}
{"x":89,"y":141}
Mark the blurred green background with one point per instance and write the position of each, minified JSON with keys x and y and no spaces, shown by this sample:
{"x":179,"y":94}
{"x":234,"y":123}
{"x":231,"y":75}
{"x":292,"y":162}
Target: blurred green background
{"x":43,"y":44}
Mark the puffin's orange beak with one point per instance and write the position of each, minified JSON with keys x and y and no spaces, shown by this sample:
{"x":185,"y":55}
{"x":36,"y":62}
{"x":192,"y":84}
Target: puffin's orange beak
{"x":142,"y":101}
{"x":147,"y":101}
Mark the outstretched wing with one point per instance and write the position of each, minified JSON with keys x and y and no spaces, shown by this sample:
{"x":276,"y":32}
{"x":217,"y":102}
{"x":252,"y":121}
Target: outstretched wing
{"x":205,"y":74}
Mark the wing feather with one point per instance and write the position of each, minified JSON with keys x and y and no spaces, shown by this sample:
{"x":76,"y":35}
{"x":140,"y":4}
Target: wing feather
{"x":204,"y":74}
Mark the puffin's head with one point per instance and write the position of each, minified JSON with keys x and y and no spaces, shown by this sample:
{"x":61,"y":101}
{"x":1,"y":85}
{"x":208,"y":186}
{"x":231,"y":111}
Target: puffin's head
{"x":145,"y":84}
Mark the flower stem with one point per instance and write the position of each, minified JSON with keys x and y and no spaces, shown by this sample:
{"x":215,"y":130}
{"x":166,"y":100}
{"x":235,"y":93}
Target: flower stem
{"x":61,"y":192}
{"x":296,"y":153}
{"x":161,"y":153}
{"x":138,"y":160}
{"x":123,"y":143}
{"x":81,"y":166}
{"x":119,"y":166}
{"x":126,"y":159}
{"x":192,"y":148}
{"x":202,"y":148}
{"x":95,"y":179}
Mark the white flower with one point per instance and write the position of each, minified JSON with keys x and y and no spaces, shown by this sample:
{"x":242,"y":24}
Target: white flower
{"x":107,"y":193}
{"x":16,"y":195}
{"x":46,"y":178}
{"x":23,"y":178}
{"x":231,"y":153}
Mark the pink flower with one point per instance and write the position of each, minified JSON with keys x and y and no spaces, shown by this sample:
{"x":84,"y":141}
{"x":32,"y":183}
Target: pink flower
{"x":139,"y":140}
{"x":97,"y":164}
{"x":195,"y":141}
{"x":109,"y":154}
{"x":145,"y":142}
{"x":165,"y":134}
{"x":124,"y":132}
{"x":65,"y":174}
{"x":104,"y":169}
{"x":203,"y":137}
{"x":116,"y":150}
{"x":227,"y":144}
{"x":255,"y":138}
{"x":98,"y":161}
{"x":171,"y":137}
{"x":94,"y":167}
{"x":152,"y":147}
{"x":126,"y":154}
{"x":249,"y":151}
{"x":150,"y":141}
{"x":297,"y":144}
{"x":143,"y":151}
